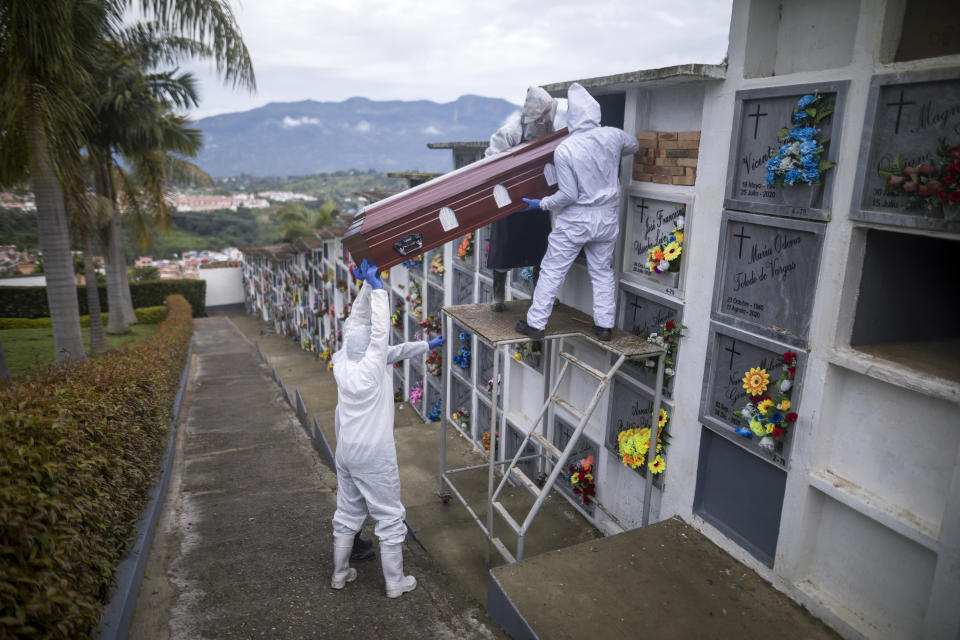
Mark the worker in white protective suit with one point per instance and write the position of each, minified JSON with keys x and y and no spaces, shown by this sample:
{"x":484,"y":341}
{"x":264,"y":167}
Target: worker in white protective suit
{"x":520,"y":239}
{"x":587,"y":164}
{"x":368,"y":480}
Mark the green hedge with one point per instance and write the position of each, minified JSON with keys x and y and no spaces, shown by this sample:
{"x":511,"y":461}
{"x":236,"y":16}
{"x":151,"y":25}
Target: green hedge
{"x":147,"y":315}
{"x":31,"y":302}
{"x":80,"y":446}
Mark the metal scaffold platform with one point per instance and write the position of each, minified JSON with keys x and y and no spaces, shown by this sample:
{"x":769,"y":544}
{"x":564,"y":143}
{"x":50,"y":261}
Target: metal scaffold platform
{"x":497,"y":329}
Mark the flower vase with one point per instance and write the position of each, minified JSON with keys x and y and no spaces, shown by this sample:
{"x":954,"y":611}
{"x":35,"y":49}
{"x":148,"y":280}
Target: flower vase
{"x":669,"y":279}
{"x":807,"y":196}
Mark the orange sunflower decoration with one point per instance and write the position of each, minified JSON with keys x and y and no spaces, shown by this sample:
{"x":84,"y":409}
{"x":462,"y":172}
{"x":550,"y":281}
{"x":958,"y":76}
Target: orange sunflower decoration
{"x":756,"y":381}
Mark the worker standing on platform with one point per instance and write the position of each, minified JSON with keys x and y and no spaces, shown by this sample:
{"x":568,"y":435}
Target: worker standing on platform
{"x":368,"y":479}
{"x":520,"y":240}
{"x":587,"y":163}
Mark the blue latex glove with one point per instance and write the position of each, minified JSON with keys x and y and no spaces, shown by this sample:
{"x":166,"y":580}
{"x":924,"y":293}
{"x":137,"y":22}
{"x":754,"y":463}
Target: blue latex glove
{"x":360,"y":272}
{"x":436,"y":342}
{"x":533,"y":204}
{"x":373,"y":277}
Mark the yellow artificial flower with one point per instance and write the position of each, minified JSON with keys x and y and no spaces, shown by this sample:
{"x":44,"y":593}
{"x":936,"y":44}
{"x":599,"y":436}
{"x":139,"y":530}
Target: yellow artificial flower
{"x":658,"y":465}
{"x":757,"y":427}
{"x":679,"y":236}
{"x":770,"y":426}
{"x":756,"y":381}
{"x":517,"y":356}
{"x":784,"y":405}
{"x":672,"y":251}
{"x":589,"y":477}
{"x":575,"y":478}
{"x":661,"y":421}
{"x":765,"y":405}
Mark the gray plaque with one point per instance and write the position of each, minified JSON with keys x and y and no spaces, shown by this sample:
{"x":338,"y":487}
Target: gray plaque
{"x":434,"y":301}
{"x":462,"y":287}
{"x":482,"y":422}
{"x":427,"y":259}
{"x":907,"y":115}
{"x":485,"y":291}
{"x":460,"y":392}
{"x":470,"y":261}
{"x":631,"y":407}
{"x":758,"y":115}
{"x":641,"y":313}
{"x":730,"y":354}
{"x":519,"y":284}
{"x":649,"y":223}
{"x":767,"y":274}
{"x":514,"y":438}
{"x":482,"y":248}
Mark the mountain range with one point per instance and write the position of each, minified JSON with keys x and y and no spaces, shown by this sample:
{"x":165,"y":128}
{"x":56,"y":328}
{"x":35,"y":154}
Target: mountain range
{"x":298,"y":138}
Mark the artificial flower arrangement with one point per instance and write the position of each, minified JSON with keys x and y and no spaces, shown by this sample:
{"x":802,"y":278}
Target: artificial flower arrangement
{"x":414,"y":263}
{"x":581,"y":479}
{"x":633,"y":444}
{"x":462,"y":417}
{"x":527,"y":350}
{"x":416,"y":392}
{"x":526,"y":274}
{"x":396,"y":318}
{"x":415,"y":298}
{"x":435,"y":363}
{"x":666,"y":256}
{"x":341,"y":285}
{"x":485,"y":440}
{"x":768,"y":411}
{"x":798,"y":160}
{"x":431,"y":325}
{"x":462,"y":359}
{"x":927,"y":185}
{"x":465,"y":250}
{"x":398,"y":394}
{"x":434,"y":414}
{"x":667,"y":335}
{"x":436,"y":265}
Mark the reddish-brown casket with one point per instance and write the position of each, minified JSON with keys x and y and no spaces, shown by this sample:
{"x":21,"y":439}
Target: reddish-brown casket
{"x":413,"y":221}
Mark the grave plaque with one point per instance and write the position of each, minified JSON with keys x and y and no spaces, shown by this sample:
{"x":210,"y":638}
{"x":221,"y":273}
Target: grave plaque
{"x":758,"y":116}
{"x":630,"y":408}
{"x":562,"y":432}
{"x":649,"y":223}
{"x":767,"y":274}
{"x":428,"y":261}
{"x":460,"y":392}
{"x":730,"y":354}
{"x":916,"y":117}
{"x":482,"y":249}
{"x":641,"y":314}
{"x":518,"y":283}
{"x":514,"y":438}
{"x":485,"y":291}
{"x":434,"y":301}
{"x":462,"y":287}
{"x":483,"y":421}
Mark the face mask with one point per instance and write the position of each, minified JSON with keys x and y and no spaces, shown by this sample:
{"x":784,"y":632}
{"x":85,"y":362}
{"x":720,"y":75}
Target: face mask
{"x":536,"y":127}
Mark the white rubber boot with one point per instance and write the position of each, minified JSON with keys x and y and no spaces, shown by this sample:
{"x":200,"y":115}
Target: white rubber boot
{"x":391,"y":561}
{"x":342,"y":572}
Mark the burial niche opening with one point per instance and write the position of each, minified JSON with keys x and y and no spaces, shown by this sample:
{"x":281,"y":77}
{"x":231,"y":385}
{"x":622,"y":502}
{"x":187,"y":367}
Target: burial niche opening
{"x":908,"y":302}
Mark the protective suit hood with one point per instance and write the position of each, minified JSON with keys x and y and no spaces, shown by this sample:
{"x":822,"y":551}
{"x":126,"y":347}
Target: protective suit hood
{"x":583,"y":112}
{"x":536,"y":119}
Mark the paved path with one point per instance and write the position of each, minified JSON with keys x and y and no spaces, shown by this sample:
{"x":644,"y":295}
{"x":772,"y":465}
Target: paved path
{"x":243,"y":548}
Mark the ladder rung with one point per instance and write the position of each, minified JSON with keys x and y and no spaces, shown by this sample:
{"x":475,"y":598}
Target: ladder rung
{"x":569,"y":407}
{"x":552,"y":448}
{"x":596,"y":373}
{"x":503,"y":550}
{"x":506,"y":516}
{"x":527,"y":482}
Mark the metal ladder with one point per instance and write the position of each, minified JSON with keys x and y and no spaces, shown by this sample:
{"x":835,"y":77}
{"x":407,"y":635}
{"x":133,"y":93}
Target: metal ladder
{"x":541,"y":492}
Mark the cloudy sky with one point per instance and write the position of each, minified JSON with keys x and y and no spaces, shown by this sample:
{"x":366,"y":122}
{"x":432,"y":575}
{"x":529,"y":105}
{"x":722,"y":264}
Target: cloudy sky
{"x":331,"y":50}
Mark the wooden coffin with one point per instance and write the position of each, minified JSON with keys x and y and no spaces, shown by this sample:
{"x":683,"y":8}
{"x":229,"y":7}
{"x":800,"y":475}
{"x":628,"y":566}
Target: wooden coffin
{"x":413,"y":221}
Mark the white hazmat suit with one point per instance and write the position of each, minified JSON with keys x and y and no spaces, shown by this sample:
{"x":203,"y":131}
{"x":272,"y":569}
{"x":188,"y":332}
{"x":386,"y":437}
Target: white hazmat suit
{"x":587,"y":164}
{"x":368,"y":479}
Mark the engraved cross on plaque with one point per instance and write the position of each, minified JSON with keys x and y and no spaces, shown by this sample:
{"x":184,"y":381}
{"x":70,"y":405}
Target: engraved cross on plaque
{"x":642,"y":207}
{"x":742,"y":237}
{"x":756,"y":122}
{"x":900,"y":104}
{"x":636,"y":307}
{"x":733,"y":351}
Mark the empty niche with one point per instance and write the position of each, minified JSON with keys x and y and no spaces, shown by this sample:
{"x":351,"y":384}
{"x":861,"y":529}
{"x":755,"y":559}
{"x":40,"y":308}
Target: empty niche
{"x":501,"y":196}
{"x":903,"y":314}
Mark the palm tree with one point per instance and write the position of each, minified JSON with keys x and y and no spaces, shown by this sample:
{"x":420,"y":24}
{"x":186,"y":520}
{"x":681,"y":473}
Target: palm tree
{"x":44,"y":53}
{"x":297,"y":221}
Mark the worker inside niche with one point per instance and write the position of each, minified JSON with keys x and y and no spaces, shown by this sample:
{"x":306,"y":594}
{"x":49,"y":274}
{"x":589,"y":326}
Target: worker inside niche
{"x":520,"y":240}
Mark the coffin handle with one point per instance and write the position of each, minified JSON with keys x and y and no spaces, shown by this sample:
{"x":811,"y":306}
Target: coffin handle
{"x":409,"y":244}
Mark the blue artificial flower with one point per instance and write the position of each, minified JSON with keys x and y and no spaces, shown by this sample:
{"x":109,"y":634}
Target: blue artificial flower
{"x":808,"y":147}
{"x":810,"y":162}
{"x":791,"y":176}
{"x":805,"y":100}
{"x":811,"y":175}
{"x":773,"y":163}
{"x":800,"y":115}
{"x":671,"y":238}
{"x":784,"y":150}
{"x":746,"y":433}
{"x":775,"y":418}
{"x":771,"y":177}
{"x":803,"y":133}
{"x":464,"y":335}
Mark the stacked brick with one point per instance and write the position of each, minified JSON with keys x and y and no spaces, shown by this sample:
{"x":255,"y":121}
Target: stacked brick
{"x":667,"y":157}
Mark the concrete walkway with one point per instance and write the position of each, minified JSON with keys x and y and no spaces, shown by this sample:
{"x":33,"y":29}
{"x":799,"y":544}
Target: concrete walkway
{"x":243,"y":549}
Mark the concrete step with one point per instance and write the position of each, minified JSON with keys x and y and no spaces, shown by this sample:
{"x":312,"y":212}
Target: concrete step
{"x":663,"y":581}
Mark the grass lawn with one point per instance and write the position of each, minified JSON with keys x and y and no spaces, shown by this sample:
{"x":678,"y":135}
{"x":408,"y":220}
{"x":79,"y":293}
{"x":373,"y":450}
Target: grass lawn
{"x":26,"y":348}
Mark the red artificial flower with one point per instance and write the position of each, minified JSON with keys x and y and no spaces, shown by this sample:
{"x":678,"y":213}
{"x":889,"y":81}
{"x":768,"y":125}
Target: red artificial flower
{"x":791,"y":372}
{"x":756,"y":399}
{"x":777,"y":432}
{"x":669,"y":325}
{"x":955,"y":196}
{"x":942,"y":195}
{"x":577,"y":491}
{"x":789,"y":356}
{"x":791,"y":417}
